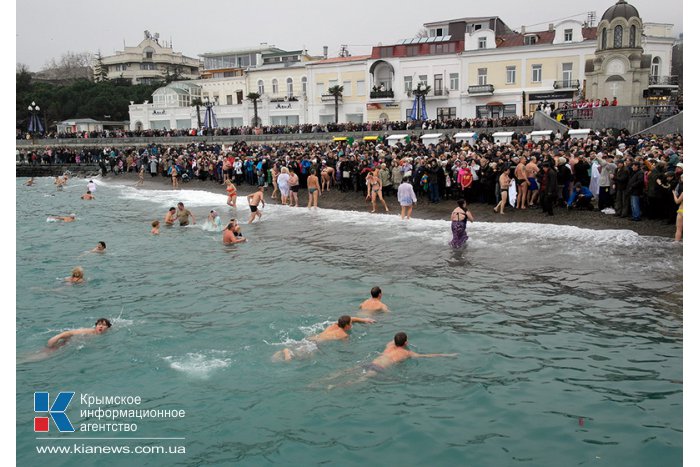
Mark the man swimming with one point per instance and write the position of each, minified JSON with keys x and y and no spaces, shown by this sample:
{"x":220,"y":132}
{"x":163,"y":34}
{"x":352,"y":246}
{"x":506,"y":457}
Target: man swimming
{"x":374,"y":303}
{"x":254,"y":199}
{"x":397,"y":351}
{"x":68,"y":218}
{"x":77,"y":276}
{"x":101,"y":326}
{"x":100,"y":248}
{"x":334,"y":332}
{"x":88,"y":195}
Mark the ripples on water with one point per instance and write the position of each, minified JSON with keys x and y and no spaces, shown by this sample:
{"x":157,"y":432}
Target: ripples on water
{"x":569,"y":340}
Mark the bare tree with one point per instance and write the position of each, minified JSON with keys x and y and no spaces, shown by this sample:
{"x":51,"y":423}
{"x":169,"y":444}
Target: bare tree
{"x":70,"y":65}
{"x":422,"y":32}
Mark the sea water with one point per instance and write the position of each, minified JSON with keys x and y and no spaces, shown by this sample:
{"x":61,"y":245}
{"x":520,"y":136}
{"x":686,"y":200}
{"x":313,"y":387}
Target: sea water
{"x":569,"y":340}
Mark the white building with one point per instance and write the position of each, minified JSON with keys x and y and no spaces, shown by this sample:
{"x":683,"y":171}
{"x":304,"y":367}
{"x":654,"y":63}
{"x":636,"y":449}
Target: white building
{"x":148,"y":62}
{"x":348,"y":72}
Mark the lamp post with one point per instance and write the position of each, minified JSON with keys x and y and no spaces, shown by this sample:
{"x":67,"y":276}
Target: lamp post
{"x":34,"y":120}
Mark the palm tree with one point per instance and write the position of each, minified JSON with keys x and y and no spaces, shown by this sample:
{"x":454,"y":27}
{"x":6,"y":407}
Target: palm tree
{"x":254,"y":96}
{"x":337,"y":92}
{"x":197,"y":102}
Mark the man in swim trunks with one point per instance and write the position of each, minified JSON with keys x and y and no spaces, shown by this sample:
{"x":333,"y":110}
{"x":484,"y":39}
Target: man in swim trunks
{"x":395,"y":352}
{"x":531,"y":171}
{"x":88,"y":196}
{"x":314,"y":190}
{"x":521,"y":183}
{"x":184,"y":215}
{"x":101,"y":326}
{"x":254,"y":199}
{"x":374,"y":303}
{"x":334,"y":332}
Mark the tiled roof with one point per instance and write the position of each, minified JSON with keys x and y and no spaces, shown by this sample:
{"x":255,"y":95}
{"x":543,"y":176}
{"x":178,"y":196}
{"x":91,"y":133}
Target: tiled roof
{"x":544,"y":37}
{"x":356,"y":58}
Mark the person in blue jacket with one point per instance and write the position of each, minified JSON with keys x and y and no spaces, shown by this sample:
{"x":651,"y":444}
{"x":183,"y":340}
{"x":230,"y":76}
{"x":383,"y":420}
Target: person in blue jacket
{"x":580,"y":198}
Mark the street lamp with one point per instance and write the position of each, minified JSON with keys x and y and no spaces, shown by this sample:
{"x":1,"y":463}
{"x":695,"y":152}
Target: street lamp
{"x":34,"y":120}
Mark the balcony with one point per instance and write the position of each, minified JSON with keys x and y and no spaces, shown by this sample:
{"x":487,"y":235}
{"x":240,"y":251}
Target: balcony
{"x":480,"y":89}
{"x":381,"y":94}
{"x":655,"y":80}
{"x":567,"y":84}
{"x":330,"y":98}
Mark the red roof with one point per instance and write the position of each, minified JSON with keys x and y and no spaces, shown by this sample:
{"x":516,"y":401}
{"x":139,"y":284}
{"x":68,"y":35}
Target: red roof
{"x":543,"y":37}
{"x":356,"y":58}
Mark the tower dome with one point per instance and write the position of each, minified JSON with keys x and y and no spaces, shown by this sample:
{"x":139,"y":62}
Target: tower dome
{"x":621,"y":9}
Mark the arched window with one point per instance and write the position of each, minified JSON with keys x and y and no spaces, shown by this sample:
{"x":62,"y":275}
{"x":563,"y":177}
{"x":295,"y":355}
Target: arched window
{"x":290,"y":87}
{"x":275,"y":87}
{"x":633,"y":36}
{"x":655,"y":69}
{"x":303,"y":85}
{"x":617,"y":38}
{"x":261,"y":87}
{"x":604,"y":39}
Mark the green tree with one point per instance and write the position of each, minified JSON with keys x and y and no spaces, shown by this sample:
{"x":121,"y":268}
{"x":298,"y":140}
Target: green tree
{"x":254,"y":96}
{"x":100,"y":68}
{"x":337,"y":93}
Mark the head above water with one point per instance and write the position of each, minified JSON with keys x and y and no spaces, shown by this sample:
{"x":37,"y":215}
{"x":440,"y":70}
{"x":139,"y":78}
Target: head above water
{"x":400,"y":339}
{"x":344,"y":321}
{"x":102,"y":245}
{"x":102,"y":324}
{"x":375,"y":292}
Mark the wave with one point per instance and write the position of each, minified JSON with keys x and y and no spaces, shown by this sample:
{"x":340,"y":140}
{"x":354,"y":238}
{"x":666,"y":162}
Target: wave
{"x":198,"y":365}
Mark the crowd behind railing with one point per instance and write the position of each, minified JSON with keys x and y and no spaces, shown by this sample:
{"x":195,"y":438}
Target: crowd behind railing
{"x":456,"y":123}
{"x":634,"y":176}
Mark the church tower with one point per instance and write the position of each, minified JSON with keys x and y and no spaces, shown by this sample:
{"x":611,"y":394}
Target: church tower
{"x":620,"y":68}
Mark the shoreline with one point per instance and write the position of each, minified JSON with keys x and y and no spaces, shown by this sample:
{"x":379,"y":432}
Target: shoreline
{"x":482,"y":212}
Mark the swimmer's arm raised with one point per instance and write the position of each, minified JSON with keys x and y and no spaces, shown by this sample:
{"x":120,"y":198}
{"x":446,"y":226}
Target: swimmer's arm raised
{"x":53,"y":342}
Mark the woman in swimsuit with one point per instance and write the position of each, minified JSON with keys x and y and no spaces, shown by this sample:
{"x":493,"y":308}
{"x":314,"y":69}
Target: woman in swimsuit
{"x":231,"y":190}
{"x":173,"y":175}
{"x":326,"y":177}
{"x":312,"y":184}
{"x":459,"y":219}
{"x":679,"y":217}
{"x":283,"y":184}
{"x":504,"y":184}
{"x":374,"y":190}
{"x":274,"y":172}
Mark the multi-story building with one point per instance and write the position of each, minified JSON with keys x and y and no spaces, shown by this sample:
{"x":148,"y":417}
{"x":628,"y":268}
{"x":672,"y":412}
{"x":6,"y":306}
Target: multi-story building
{"x":474,"y":67}
{"x":348,"y":72}
{"x":149,"y":62}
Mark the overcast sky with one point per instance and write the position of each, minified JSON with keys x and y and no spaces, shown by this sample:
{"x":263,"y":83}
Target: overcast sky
{"x":47,"y":29}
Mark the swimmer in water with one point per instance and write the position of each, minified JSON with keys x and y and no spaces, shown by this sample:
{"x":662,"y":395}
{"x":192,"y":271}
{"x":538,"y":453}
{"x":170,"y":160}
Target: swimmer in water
{"x":68,"y":218}
{"x":155,"y":230}
{"x":374,"y":303}
{"x":395,"y":352}
{"x":101,"y":326}
{"x":170,"y":216}
{"x":88,"y":196}
{"x":230,"y":236}
{"x":255,"y":199}
{"x":334,"y":332}
{"x":30,"y":182}
{"x":100,"y":248}
{"x":77,"y":276}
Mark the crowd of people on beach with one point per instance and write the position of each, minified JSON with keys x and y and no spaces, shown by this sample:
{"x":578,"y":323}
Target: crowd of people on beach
{"x":633,"y":176}
{"x":459,"y":123}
